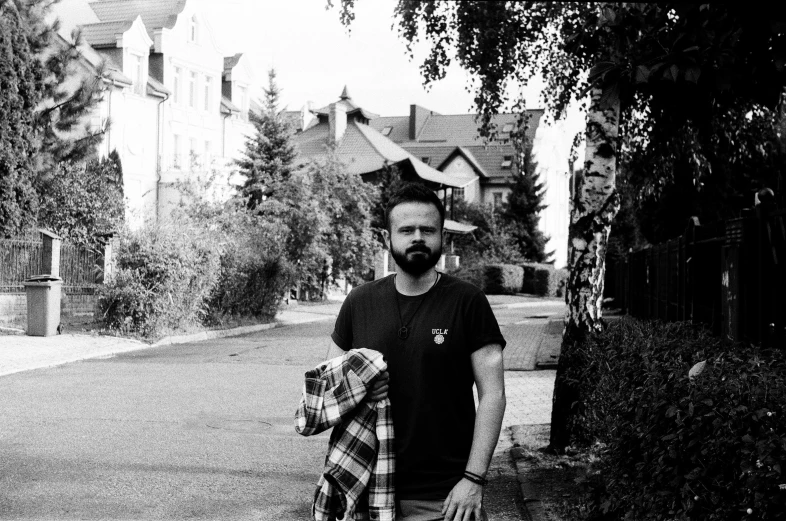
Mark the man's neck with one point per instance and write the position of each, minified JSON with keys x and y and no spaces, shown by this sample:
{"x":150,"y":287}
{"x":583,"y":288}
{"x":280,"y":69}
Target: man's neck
{"x":412,"y":285}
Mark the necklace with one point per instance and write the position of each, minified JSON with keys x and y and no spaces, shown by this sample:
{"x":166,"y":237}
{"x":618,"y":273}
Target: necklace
{"x":404,"y":330}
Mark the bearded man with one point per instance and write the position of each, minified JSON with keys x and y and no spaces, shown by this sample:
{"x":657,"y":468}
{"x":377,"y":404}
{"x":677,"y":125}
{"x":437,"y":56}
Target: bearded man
{"x":439,"y":337}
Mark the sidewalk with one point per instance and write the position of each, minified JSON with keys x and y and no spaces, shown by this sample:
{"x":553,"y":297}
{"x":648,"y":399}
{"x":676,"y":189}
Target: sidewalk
{"x":533,"y":343}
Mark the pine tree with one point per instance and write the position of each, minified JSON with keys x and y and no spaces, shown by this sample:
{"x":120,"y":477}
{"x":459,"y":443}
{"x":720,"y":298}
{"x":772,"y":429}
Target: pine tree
{"x":20,"y":93}
{"x":522,"y":210}
{"x":269,"y":154}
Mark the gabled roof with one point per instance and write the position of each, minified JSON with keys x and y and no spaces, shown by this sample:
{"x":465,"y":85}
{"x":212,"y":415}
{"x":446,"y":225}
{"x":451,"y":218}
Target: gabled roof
{"x":443,"y":136}
{"x":365,"y":150}
{"x":156,"y":88}
{"x":103,"y":34}
{"x":155,"y":14}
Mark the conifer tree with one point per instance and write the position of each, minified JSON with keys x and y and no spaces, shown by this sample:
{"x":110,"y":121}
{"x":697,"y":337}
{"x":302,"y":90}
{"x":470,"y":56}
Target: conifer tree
{"x":269,"y":154}
{"x":521,"y":212}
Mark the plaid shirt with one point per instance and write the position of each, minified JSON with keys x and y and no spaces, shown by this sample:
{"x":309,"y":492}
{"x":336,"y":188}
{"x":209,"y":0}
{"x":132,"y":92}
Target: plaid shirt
{"x":360,"y":452}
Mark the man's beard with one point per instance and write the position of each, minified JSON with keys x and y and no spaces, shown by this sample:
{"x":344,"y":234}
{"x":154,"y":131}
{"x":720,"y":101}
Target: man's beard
{"x":418,"y":259}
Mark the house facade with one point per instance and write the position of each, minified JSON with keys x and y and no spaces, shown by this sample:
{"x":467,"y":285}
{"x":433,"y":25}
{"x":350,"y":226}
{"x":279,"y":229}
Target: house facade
{"x":175,"y":105}
{"x":447,"y":153}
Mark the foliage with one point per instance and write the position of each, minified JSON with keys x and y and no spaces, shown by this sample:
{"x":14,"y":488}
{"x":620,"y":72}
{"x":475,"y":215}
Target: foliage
{"x":165,"y":274}
{"x":21,"y":93}
{"x":544,"y":280}
{"x":522,"y":209}
{"x":501,"y":279}
{"x":674,"y":447}
{"x":269,"y":153}
{"x":40,"y":109}
{"x":388,"y":183}
{"x":348,"y":203}
{"x":84,"y":201}
{"x":492,"y":242}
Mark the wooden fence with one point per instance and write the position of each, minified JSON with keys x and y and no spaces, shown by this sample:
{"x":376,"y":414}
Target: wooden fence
{"x":729,"y":275}
{"x":81,"y":269}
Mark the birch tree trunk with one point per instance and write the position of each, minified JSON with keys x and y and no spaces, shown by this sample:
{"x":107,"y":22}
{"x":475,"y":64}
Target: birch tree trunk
{"x":594,"y":204}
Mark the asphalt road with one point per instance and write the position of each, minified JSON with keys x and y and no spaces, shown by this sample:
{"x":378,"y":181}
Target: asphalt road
{"x":196,"y":431}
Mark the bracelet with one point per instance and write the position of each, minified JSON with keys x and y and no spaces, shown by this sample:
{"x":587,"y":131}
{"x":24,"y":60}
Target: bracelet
{"x":475,"y":478}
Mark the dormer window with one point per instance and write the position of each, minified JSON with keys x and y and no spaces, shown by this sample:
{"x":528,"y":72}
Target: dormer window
{"x":507,"y":161}
{"x":386,"y":131}
{"x":137,"y":73}
{"x":425,"y":159}
{"x":193,"y":29}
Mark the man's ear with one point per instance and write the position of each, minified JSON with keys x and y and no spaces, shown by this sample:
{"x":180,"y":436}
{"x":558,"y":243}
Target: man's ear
{"x":386,"y":237}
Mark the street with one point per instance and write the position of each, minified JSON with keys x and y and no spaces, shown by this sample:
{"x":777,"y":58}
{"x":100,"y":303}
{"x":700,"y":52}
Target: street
{"x":201,"y":431}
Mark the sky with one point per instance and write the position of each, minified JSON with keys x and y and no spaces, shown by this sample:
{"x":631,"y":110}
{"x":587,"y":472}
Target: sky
{"x":315,"y":56}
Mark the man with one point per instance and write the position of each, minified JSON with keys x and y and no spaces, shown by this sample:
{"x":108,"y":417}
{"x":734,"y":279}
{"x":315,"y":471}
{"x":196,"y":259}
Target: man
{"x":439,"y":336}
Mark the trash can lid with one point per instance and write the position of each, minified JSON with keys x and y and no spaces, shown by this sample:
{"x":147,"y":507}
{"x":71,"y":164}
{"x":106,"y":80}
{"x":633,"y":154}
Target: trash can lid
{"x":43,"y":278}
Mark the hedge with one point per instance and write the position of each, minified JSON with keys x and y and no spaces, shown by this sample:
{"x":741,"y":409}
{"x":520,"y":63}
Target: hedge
{"x":500,"y":279}
{"x":543,"y":280}
{"x":711,"y":447}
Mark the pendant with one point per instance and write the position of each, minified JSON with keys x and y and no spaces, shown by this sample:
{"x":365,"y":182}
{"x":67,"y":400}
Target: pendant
{"x":403,"y":333}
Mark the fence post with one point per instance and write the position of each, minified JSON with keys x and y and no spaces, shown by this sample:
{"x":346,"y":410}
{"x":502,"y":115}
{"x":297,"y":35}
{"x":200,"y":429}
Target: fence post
{"x":50,"y":253}
{"x":109,"y":258}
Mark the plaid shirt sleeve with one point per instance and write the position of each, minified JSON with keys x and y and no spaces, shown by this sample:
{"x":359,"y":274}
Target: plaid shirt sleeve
{"x":360,"y":451}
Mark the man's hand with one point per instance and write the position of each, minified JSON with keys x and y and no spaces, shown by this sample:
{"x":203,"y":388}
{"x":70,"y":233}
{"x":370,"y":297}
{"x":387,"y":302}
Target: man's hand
{"x":464,"y":502}
{"x":380,"y":389}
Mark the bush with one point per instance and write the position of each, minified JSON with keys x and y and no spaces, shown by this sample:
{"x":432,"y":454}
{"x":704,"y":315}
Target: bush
{"x":544,"y":280}
{"x":501,"y":279}
{"x":164,"y":276}
{"x":707,"y":448}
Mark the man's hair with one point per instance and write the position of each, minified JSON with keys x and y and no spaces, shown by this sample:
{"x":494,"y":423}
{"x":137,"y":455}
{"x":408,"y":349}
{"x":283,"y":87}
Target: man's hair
{"x":414,"y":193}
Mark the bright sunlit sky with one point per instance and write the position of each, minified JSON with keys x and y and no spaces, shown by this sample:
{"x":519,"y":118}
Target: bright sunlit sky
{"x":314,"y":55}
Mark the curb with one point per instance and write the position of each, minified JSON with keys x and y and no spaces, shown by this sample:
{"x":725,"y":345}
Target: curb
{"x":515,"y":305}
{"x":216,"y":333}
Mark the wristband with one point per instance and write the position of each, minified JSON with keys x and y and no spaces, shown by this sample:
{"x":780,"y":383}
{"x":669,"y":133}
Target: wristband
{"x":474,"y":478}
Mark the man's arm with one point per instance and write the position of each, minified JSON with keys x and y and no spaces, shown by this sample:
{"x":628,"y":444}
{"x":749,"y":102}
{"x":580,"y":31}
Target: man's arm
{"x":490,"y":379}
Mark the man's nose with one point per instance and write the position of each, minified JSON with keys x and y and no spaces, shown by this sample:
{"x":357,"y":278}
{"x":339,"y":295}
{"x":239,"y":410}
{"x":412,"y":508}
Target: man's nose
{"x":418,"y":236}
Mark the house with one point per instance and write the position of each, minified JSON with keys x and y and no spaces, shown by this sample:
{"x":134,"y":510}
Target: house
{"x":176,"y":104}
{"x":447,"y":153}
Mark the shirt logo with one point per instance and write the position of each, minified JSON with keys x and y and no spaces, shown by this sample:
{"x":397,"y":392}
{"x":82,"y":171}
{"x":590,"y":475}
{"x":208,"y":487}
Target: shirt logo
{"x":439,"y":335}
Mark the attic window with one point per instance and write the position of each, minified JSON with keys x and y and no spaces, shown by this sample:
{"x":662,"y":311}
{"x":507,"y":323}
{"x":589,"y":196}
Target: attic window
{"x":425,"y":159}
{"x":386,"y":131}
{"x":507,"y":128}
{"x":507,"y":161}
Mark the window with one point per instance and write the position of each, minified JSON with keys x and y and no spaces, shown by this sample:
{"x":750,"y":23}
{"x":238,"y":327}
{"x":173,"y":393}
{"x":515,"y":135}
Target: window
{"x":137,"y":73}
{"x":497,"y":199}
{"x":208,"y":93}
{"x":192,"y":152}
{"x":176,"y":163}
{"x":386,"y":131}
{"x":425,"y":159}
{"x":208,"y":151}
{"x":507,"y":161}
{"x":192,"y":90}
{"x":242,"y":94}
{"x":176,"y":85}
{"x":458,"y":194}
{"x":508,"y":127}
{"x":193,"y":30}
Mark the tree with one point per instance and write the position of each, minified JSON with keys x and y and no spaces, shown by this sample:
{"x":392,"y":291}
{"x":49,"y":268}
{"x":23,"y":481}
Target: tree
{"x":84,"y":201}
{"x":21,"y":93}
{"x":525,"y":202}
{"x":638,"y":56}
{"x":40,"y":113}
{"x":269,"y":153}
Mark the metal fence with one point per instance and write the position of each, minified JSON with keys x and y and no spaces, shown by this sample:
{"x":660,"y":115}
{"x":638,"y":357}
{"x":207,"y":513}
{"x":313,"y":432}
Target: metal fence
{"x":729,"y":275}
{"x":81,"y":268}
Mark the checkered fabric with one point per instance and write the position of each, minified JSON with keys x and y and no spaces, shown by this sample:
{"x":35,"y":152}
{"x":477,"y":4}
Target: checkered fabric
{"x":361,"y":455}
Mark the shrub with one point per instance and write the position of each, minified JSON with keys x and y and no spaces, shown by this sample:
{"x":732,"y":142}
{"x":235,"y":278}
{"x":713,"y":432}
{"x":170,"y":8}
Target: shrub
{"x":164,"y":276}
{"x":502,"y":279}
{"x":544,"y":280}
{"x":707,"y":448}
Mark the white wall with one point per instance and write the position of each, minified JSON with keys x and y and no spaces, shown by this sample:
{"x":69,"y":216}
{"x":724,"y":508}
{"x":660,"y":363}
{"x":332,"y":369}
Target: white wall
{"x":460,"y":167}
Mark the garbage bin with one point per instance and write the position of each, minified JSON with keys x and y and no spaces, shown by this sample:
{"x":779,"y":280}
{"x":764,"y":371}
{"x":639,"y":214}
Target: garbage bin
{"x":43,"y":304}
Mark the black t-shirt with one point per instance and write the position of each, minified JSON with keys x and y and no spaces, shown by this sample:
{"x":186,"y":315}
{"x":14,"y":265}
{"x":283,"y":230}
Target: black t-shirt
{"x":431,"y":375}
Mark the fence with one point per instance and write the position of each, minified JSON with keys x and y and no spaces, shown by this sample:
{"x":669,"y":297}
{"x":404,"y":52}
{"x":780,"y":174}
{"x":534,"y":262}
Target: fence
{"x":81,"y":269}
{"x":729,"y":275}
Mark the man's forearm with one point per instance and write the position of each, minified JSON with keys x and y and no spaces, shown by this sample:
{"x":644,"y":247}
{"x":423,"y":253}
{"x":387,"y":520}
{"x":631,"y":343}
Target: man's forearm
{"x":488,"y":423}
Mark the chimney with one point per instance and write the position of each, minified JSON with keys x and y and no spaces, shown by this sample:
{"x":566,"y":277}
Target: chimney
{"x":413,"y":122}
{"x":338,"y":121}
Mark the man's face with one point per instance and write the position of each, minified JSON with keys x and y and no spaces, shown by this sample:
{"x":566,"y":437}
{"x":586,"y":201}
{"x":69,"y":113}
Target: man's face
{"x":415,"y":237}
